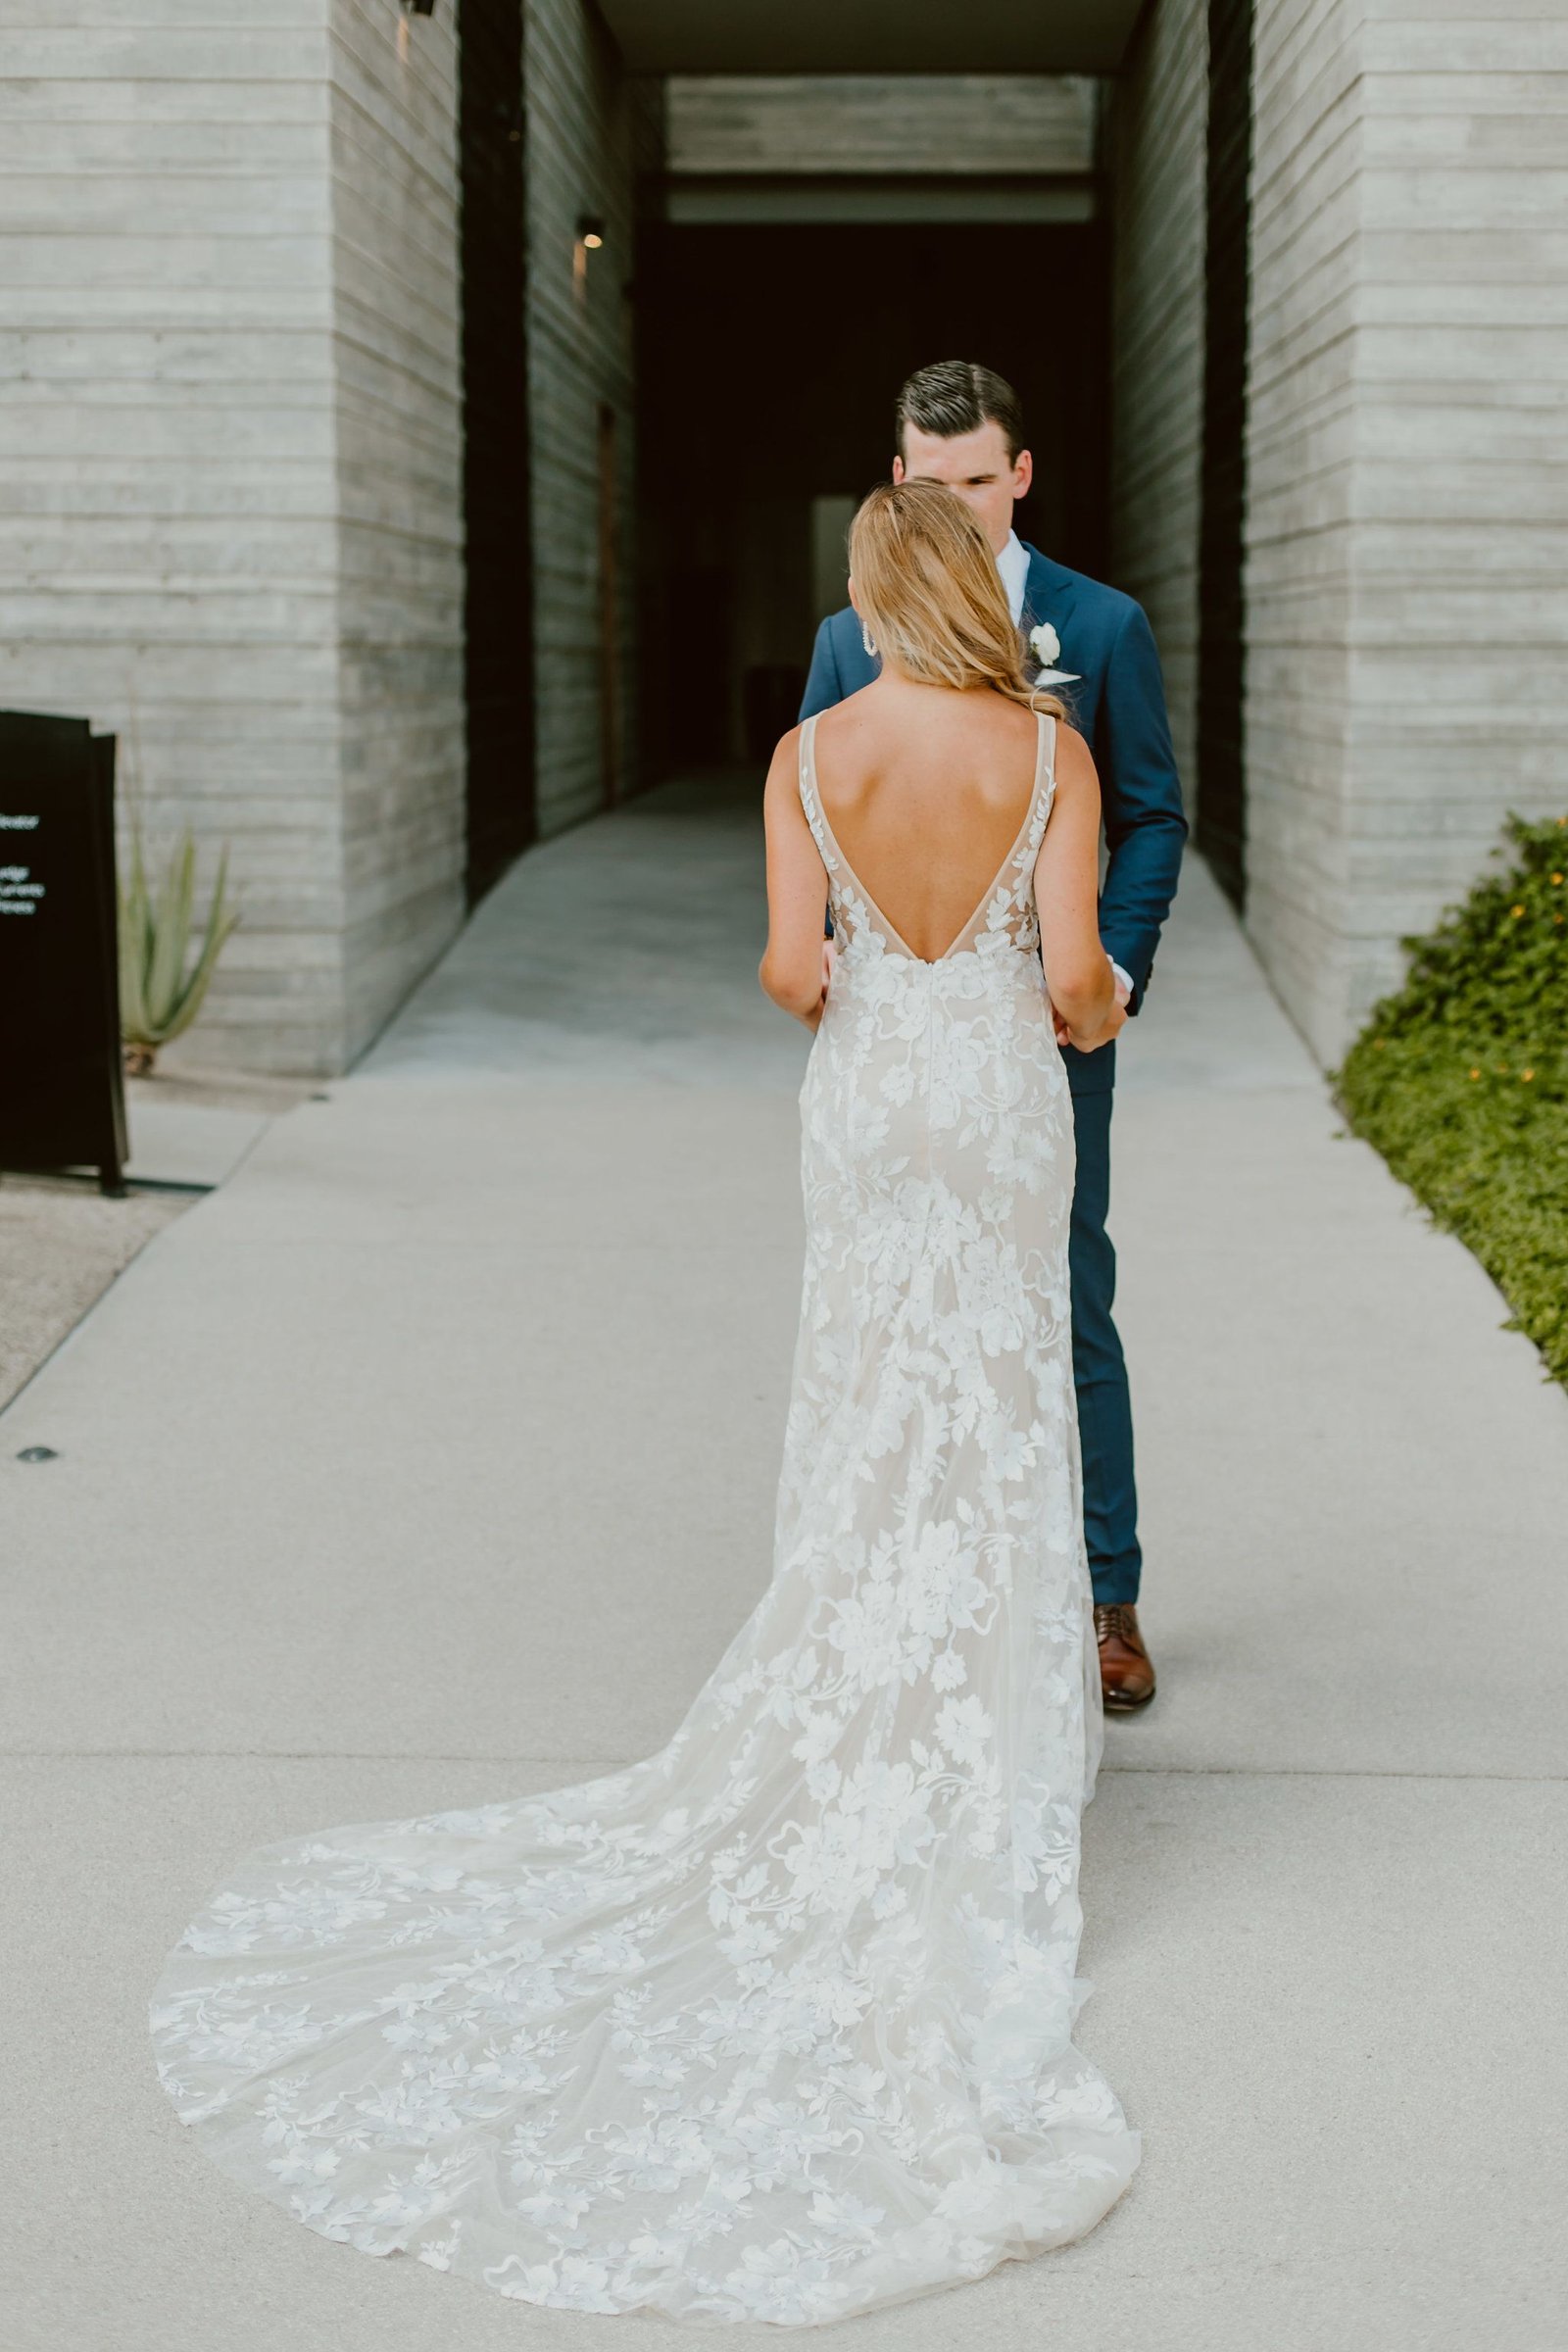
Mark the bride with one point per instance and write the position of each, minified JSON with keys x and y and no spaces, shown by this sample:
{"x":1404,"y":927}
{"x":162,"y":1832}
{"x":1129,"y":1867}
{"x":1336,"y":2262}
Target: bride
{"x":777,"y":2025}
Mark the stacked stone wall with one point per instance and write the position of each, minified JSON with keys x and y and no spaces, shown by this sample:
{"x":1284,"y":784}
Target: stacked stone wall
{"x":398,"y":416}
{"x":1156,"y":126}
{"x":1407,"y":585}
{"x":229,"y":303}
{"x":591,"y":131}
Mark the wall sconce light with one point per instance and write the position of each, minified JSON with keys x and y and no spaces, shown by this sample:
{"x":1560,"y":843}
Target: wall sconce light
{"x":590,"y":231}
{"x":406,"y":10}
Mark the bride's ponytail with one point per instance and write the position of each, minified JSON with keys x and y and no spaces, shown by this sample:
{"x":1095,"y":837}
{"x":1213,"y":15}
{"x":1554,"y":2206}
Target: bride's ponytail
{"x":928,"y":590}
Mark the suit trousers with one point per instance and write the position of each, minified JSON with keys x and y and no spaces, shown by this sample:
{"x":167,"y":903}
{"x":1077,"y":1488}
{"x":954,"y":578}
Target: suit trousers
{"x":1100,"y":1369}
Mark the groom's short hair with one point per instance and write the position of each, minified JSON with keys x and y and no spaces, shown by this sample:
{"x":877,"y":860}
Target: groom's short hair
{"x":955,"y":396}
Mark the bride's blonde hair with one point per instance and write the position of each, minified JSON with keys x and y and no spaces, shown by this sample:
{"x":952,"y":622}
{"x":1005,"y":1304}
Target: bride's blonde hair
{"x":930,"y":595}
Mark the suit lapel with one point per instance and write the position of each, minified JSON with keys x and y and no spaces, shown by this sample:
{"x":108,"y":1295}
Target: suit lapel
{"x":1049,"y":593}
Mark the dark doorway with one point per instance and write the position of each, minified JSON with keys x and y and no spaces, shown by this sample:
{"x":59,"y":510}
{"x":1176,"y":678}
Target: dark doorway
{"x":498,"y":608}
{"x":769,"y":363}
{"x":1222,"y":626}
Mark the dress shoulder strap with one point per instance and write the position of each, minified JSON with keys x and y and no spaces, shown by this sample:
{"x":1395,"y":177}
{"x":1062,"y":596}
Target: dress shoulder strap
{"x":1040,"y":799}
{"x":1045,"y":791}
{"x":1046,"y":756}
{"x":810,"y":800}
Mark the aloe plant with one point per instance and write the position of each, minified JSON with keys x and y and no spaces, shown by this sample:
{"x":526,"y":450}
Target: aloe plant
{"x":161,"y":989}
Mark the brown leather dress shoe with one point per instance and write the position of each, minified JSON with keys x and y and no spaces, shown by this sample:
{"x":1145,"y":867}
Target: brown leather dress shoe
{"x":1126,"y":1671}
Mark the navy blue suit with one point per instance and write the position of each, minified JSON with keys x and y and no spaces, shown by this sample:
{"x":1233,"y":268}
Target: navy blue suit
{"x":1117,"y":702}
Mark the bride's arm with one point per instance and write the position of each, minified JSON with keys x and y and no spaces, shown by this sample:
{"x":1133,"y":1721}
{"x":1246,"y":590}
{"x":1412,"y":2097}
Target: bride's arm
{"x":797,"y":960}
{"x":1078,"y":973}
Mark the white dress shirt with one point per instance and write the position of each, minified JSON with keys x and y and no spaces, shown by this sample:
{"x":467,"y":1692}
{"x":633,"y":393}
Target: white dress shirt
{"x":1013,"y":566}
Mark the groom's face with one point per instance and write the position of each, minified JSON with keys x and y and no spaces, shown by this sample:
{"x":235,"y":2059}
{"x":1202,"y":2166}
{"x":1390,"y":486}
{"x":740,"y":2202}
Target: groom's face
{"x":976,"y":465}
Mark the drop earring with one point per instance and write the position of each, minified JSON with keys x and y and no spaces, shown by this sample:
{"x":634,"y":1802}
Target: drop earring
{"x":867,"y":640}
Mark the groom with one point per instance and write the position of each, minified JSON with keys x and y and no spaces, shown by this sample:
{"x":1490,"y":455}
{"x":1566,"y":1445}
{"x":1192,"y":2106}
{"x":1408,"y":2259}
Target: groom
{"x":959,"y":424}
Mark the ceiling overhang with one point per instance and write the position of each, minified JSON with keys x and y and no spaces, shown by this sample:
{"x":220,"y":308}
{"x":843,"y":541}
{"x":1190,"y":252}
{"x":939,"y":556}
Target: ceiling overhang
{"x":872,"y":36}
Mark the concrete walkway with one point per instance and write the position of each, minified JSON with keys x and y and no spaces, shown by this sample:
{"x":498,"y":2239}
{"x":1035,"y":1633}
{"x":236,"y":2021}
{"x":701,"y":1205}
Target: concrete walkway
{"x":432,"y":1459}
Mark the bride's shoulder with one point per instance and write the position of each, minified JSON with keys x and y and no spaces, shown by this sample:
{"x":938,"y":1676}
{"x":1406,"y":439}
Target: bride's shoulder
{"x":859,"y":727}
{"x":848,"y":717}
{"x":1073,"y":754}
{"x":784,"y":768}
{"x":1073,"y":764}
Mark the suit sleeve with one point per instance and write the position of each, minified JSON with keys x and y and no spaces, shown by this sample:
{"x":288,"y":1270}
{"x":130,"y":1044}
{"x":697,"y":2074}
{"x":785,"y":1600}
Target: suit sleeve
{"x":824,"y":685}
{"x":1146,"y":824}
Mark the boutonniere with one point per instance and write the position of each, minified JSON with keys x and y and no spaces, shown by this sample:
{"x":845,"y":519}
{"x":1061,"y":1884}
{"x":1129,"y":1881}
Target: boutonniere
{"x":1045,"y":645}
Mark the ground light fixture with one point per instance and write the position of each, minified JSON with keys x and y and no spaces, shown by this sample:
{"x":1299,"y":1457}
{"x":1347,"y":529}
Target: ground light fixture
{"x":590,"y":231}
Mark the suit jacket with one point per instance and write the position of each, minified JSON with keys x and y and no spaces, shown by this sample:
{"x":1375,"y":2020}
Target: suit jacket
{"x":1117,"y":704}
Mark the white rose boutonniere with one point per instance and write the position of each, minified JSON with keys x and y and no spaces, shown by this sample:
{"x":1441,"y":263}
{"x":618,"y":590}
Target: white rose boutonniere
{"x":1045,"y":645}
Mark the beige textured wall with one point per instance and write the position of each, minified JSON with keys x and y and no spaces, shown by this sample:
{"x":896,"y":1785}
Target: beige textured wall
{"x":882,"y":122}
{"x":167,"y":548}
{"x":1157,"y":130}
{"x":1301,"y":529}
{"x":397,"y":377}
{"x":590,"y":129}
{"x":1408,"y":582}
{"x":1459,"y":626}
{"x":228,"y":303}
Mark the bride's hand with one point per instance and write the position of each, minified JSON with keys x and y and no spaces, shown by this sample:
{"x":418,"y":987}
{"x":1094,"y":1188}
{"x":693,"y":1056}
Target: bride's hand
{"x":831,"y":957}
{"x":1117,"y":1018}
{"x":1114,"y":1020}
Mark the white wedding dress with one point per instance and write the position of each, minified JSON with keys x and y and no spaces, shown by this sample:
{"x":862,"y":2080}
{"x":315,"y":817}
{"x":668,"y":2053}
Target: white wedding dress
{"x":776,"y":2024}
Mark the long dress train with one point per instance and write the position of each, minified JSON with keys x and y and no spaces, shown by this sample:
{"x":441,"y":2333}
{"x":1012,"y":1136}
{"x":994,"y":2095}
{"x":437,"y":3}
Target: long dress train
{"x":778,"y":2024}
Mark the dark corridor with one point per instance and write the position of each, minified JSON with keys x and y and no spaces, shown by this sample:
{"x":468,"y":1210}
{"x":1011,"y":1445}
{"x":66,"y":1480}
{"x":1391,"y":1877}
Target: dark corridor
{"x":768,"y":361}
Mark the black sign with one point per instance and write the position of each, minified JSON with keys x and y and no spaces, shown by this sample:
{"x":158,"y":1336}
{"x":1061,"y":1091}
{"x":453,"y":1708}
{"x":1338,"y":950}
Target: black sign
{"x":62,"y":1090}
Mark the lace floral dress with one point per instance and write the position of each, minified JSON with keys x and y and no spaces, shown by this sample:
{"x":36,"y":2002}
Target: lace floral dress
{"x":776,"y":2024}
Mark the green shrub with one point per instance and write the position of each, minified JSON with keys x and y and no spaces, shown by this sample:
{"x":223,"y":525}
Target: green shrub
{"x":1461,"y":1080}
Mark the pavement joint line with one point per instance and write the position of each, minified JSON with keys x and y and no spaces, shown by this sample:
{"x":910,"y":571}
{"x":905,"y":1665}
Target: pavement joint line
{"x":1327,"y":1772}
{"x":500,"y":1245}
{"x":296,"y":1755}
{"x":315,"y":1755}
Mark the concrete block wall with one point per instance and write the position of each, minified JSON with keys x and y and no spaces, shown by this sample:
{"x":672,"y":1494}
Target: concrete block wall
{"x":398,"y":395}
{"x":168,"y":556}
{"x":881,"y":123}
{"x":1156,"y":134}
{"x":591,"y":131}
{"x":1302,"y":429}
{"x":1459,"y":625}
{"x":200,"y":276}
{"x":1407,"y":587}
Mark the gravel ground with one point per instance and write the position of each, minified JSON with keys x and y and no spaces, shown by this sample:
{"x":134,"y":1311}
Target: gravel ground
{"x":62,"y":1243}
{"x":61,"y":1246}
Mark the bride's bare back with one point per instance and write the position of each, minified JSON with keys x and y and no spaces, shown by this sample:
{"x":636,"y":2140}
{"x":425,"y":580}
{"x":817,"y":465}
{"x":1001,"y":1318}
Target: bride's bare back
{"x":925,"y":791}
